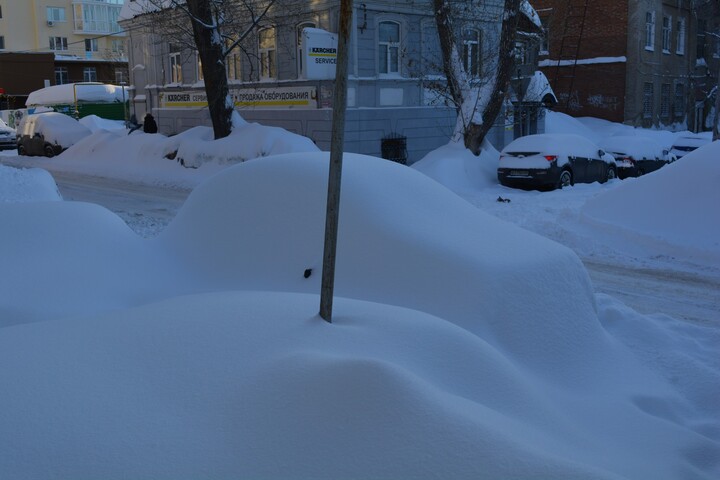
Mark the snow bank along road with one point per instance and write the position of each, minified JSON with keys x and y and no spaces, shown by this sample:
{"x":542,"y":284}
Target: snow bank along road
{"x":694,"y":297}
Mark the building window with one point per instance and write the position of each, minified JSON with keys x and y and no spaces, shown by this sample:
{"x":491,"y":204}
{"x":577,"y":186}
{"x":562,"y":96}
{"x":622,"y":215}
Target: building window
{"x":89,"y":74}
{"x":199,"y":74}
{"x":665,"y":101}
{"x":121,"y":76}
{"x":55,"y":14}
{"x":521,"y":53}
{"x":91,"y":45}
{"x":650,"y":31}
{"x":2,"y":42}
{"x":118,"y":47}
{"x":267,"y":51}
{"x":299,"y":41}
{"x":58,"y":43}
{"x":648,"y":100}
{"x":680,"y":43}
{"x":701,"y":36}
{"x":233,"y":62}
{"x":666,"y":32}
{"x":679,"y":107}
{"x":471,"y":52}
{"x":545,"y":39}
{"x":389,"y":48}
{"x":0,"y":11}
{"x":175,"y":68}
{"x":61,"y":76}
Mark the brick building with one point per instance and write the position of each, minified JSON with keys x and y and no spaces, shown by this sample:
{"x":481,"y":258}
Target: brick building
{"x":628,"y":61}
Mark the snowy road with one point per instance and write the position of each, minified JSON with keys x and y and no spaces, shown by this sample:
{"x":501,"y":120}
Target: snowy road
{"x":146,"y":209}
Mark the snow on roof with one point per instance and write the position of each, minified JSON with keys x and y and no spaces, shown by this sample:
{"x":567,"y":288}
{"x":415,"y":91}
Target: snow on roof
{"x":527,"y":10}
{"x":539,"y":89}
{"x":86,"y":92}
{"x":581,"y":61}
{"x":555,"y":144}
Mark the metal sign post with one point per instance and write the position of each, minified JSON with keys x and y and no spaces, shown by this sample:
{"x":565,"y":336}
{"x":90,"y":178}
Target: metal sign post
{"x":336,"y":155}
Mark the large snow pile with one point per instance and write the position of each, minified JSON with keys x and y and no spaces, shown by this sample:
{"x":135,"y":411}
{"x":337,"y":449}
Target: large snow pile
{"x":157,"y":159}
{"x":82,"y":92}
{"x":457,"y":168}
{"x":491,"y":362}
{"x":678,"y":203}
{"x":26,"y":185}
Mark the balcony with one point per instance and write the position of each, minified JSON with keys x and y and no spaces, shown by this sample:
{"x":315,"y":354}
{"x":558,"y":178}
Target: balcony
{"x":96,"y":17}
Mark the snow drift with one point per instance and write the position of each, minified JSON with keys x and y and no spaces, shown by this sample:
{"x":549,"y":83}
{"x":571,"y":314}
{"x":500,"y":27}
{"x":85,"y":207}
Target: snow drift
{"x":464,"y":347}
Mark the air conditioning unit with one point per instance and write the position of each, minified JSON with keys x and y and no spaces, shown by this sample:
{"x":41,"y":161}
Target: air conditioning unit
{"x":50,"y":23}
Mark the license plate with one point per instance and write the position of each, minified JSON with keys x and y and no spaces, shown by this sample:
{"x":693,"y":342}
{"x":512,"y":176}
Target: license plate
{"x":519,"y":173}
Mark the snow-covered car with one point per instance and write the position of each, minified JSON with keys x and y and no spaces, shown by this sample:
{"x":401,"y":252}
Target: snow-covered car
{"x":636,"y":156}
{"x":554,"y":161}
{"x":8,"y":139}
{"x":686,"y":144}
{"x":48,"y":134}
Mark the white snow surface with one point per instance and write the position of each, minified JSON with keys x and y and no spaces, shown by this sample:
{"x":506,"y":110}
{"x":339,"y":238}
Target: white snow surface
{"x":462,"y":346}
{"x":83,"y":92}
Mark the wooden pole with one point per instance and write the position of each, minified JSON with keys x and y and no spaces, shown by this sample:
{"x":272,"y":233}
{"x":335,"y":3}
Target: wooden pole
{"x":336,"y":156}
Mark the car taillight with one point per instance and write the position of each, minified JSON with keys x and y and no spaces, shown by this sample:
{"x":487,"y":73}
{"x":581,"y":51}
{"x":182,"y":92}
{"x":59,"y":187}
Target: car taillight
{"x":628,"y":159}
{"x":550,"y":158}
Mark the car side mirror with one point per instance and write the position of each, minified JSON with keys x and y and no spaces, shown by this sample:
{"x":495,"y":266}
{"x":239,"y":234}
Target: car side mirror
{"x":601,"y":153}
{"x":665,"y":152}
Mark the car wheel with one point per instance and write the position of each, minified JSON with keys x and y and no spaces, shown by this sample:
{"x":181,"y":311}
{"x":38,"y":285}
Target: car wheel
{"x":611,"y":174}
{"x":22,"y":150}
{"x":566,"y":179}
{"x":49,"y":151}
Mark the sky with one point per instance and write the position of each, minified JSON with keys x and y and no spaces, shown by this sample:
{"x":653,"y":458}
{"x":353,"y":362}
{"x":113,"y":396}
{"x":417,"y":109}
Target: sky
{"x":462,"y":345}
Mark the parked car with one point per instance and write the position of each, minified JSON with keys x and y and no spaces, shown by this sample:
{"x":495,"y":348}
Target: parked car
{"x":8,"y":138}
{"x":548,"y":161}
{"x":48,"y":134}
{"x":686,"y":144}
{"x":636,"y":156}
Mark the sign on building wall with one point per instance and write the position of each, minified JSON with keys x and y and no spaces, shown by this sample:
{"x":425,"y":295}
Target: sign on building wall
{"x":283,"y":97}
{"x":319,"y":54}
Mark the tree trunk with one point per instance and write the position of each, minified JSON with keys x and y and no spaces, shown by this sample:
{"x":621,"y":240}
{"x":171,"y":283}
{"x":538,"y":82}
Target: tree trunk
{"x":210,"y":49}
{"x":716,"y":123}
{"x":476,"y":134}
{"x":477,"y":124}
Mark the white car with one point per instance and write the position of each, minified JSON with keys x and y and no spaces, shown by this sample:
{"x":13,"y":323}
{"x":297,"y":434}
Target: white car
{"x":636,"y":156}
{"x":8,"y":138}
{"x":548,"y":161}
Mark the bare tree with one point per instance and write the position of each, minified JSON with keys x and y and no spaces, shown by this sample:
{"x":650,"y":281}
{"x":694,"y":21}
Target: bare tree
{"x":478,"y":105}
{"x":214,"y":28}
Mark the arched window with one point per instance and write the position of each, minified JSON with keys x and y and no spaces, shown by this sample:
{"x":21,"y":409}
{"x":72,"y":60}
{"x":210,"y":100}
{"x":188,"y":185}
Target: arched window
{"x":389,"y":48}
{"x":471,"y":52}
{"x":299,"y":44}
{"x":267,"y":51}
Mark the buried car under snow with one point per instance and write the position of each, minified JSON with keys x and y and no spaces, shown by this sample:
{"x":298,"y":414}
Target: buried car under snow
{"x":636,"y":156}
{"x":48,"y":134}
{"x":686,"y":144}
{"x":553,"y":161}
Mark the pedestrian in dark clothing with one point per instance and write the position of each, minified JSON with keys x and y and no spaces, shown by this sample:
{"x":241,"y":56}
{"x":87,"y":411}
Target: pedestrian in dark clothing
{"x":149,"y":125}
